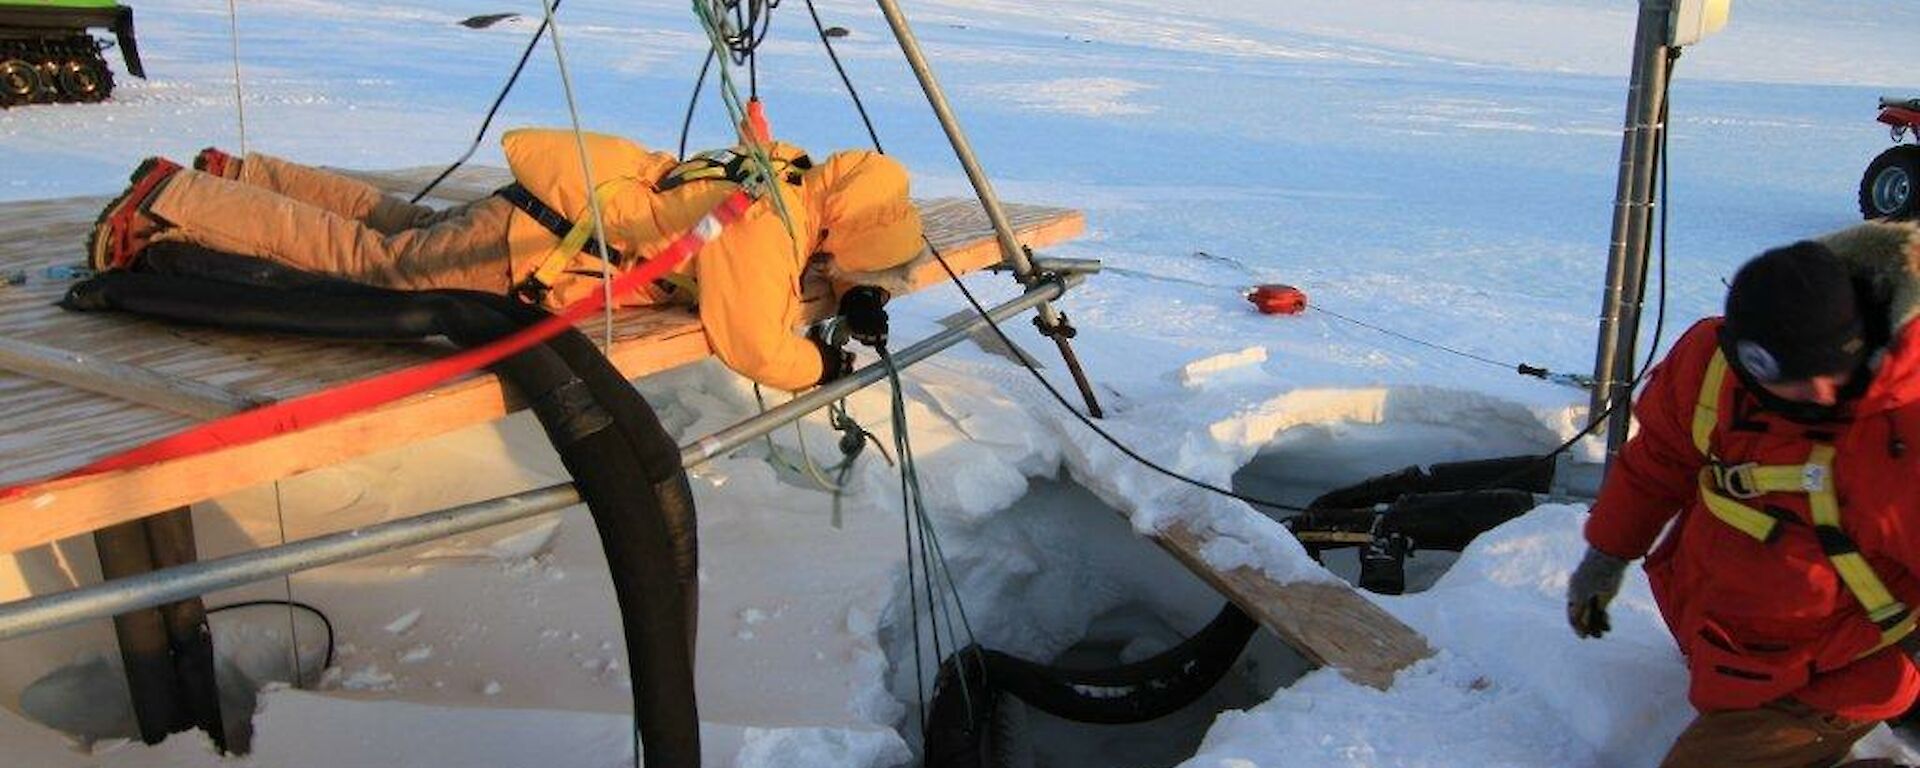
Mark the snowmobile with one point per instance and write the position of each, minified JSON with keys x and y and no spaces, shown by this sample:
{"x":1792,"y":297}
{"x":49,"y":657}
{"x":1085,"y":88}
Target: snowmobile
{"x":47,"y":55}
{"x":1886,"y":190}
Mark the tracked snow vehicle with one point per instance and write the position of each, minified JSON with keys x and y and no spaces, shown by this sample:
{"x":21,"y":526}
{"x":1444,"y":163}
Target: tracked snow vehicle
{"x":48,"y":56}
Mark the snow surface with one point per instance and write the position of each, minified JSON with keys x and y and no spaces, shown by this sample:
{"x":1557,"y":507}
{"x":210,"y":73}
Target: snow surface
{"x":1443,"y":169}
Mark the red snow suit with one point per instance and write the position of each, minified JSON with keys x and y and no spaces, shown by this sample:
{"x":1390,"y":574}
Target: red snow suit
{"x":1759,"y":608}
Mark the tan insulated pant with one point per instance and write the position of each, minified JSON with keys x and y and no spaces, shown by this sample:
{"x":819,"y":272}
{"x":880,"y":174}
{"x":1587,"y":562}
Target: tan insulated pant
{"x":322,"y":222}
{"x":1782,"y":734}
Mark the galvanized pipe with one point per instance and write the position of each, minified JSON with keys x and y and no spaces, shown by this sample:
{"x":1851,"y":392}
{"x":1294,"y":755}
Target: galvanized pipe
{"x":44,"y":612}
{"x":35,"y":614}
{"x":1052,"y":323}
{"x":1010,"y":247}
{"x":733,"y":437}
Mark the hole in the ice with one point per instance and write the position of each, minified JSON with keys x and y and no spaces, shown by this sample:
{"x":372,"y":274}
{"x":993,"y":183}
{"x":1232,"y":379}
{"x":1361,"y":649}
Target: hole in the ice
{"x":1061,"y":578}
{"x":1304,"y":462}
{"x":89,"y":700}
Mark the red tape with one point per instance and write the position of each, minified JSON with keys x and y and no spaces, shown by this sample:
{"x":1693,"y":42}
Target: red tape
{"x":327,"y":405}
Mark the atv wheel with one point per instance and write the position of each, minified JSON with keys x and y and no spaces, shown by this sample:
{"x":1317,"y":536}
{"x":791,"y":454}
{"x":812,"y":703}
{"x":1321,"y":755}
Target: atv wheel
{"x":19,"y":82}
{"x":1890,"y":189}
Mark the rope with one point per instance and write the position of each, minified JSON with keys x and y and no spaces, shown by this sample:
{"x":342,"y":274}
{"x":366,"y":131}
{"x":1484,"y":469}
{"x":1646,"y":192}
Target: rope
{"x":487,"y":122}
{"x":693,"y":100}
{"x":806,"y":465}
{"x":826,"y":40}
{"x":326,"y":660}
{"x":936,"y":574}
{"x":586,"y":171}
{"x":736,"y":112}
{"x":239,"y":97}
{"x":1404,"y":337}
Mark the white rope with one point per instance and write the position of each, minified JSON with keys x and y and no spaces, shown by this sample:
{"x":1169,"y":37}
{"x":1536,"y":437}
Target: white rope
{"x":239,"y":97}
{"x":586,"y":170}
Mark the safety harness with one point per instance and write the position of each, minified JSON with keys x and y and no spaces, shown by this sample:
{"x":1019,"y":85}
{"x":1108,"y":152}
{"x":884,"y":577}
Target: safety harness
{"x":577,"y":237}
{"x":1726,"y":489}
{"x":732,"y":166}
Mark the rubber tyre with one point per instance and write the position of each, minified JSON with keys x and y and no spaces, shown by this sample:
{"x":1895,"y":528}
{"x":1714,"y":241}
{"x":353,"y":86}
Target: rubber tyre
{"x":1890,"y":189}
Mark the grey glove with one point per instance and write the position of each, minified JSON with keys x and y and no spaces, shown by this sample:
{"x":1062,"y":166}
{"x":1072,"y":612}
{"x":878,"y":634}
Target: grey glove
{"x":1594,"y":583}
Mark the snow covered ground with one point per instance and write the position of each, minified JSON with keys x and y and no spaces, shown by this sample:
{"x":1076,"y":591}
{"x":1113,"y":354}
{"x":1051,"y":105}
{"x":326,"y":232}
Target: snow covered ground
{"x":1443,"y":169}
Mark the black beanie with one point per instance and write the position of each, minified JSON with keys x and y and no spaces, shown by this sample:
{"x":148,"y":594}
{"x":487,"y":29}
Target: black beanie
{"x":1791,"y":314}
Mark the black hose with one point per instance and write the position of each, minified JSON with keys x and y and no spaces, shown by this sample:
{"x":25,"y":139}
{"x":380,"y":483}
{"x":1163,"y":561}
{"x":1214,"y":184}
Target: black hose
{"x":960,"y":728}
{"x":622,"y":462}
{"x":1525,"y":473}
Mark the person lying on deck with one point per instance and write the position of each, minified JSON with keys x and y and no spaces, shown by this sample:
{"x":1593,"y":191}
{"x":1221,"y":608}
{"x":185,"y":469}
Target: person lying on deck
{"x":850,"y":213}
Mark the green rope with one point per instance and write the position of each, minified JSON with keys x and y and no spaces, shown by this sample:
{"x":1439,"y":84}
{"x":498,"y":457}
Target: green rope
{"x":715,"y":28}
{"x":853,"y":439}
{"x":934,"y":565}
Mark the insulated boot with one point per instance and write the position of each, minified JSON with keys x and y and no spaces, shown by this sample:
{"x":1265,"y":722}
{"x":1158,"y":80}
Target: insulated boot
{"x":217,"y":162}
{"x":123,"y":227}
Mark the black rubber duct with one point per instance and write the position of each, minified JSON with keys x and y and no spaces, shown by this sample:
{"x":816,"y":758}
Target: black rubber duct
{"x":1448,"y":520}
{"x":622,"y":461}
{"x":1521,"y":473}
{"x":960,"y":724}
{"x":659,"y":456}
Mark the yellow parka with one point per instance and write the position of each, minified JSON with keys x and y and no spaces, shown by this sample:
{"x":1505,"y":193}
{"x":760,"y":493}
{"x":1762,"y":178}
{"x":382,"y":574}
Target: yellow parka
{"x":852,"y":208}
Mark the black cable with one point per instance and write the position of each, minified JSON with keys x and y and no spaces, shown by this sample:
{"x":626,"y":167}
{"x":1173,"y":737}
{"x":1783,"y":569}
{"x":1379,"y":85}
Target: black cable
{"x":1660,"y":310}
{"x":1021,"y":357}
{"x":858,"y":106}
{"x":493,"y":110}
{"x":686,"y":124}
{"x":317,"y":613}
{"x":1402,"y":336}
{"x":751,"y":21}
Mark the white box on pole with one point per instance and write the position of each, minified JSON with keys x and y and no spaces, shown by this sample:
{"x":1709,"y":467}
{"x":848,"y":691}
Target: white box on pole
{"x":1695,"y":19}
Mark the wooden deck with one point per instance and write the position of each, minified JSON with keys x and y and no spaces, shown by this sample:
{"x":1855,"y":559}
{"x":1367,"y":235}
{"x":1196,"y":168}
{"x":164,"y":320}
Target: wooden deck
{"x":55,"y":416}
{"x":57,"y":367}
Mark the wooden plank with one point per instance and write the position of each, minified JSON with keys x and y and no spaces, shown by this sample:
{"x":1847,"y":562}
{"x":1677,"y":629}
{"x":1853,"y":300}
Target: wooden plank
{"x":128,"y":382}
{"x":46,"y":428}
{"x":1328,"y":623}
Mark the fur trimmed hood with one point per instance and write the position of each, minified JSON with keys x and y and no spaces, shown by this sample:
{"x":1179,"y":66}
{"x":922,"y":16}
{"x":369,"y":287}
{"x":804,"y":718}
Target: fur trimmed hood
{"x":1885,"y":260}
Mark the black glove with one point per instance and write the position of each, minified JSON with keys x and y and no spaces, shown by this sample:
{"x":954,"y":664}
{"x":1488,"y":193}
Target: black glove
{"x":1593,"y":585}
{"x":863,"y":309}
{"x":835,"y":360}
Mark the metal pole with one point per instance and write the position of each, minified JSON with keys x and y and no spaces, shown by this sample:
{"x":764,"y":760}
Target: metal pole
{"x":35,"y":614}
{"x":153,"y":588}
{"x":1632,"y":215}
{"x":1052,"y":323}
{"x":737,"y":435}
{"x":1003,"y":230}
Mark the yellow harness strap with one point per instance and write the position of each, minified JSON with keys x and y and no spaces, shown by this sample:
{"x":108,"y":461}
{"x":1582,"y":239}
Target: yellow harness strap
{"x":1721,"y":485}
{"x":562,"y":254}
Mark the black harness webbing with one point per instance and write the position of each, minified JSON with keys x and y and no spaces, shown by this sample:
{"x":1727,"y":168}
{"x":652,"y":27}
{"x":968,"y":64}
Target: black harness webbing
{"x":552,"y":220}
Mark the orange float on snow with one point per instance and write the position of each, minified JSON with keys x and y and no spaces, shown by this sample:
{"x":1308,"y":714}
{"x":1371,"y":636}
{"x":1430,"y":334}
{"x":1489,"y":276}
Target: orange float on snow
{"x":1277,"y":299}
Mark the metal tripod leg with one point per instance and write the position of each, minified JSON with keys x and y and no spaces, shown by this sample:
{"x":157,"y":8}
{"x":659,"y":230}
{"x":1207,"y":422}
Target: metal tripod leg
{"x":1051,"y":322}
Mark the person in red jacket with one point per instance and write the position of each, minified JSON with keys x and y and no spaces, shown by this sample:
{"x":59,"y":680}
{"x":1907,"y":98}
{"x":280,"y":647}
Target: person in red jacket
{"x":1776,"y":450}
